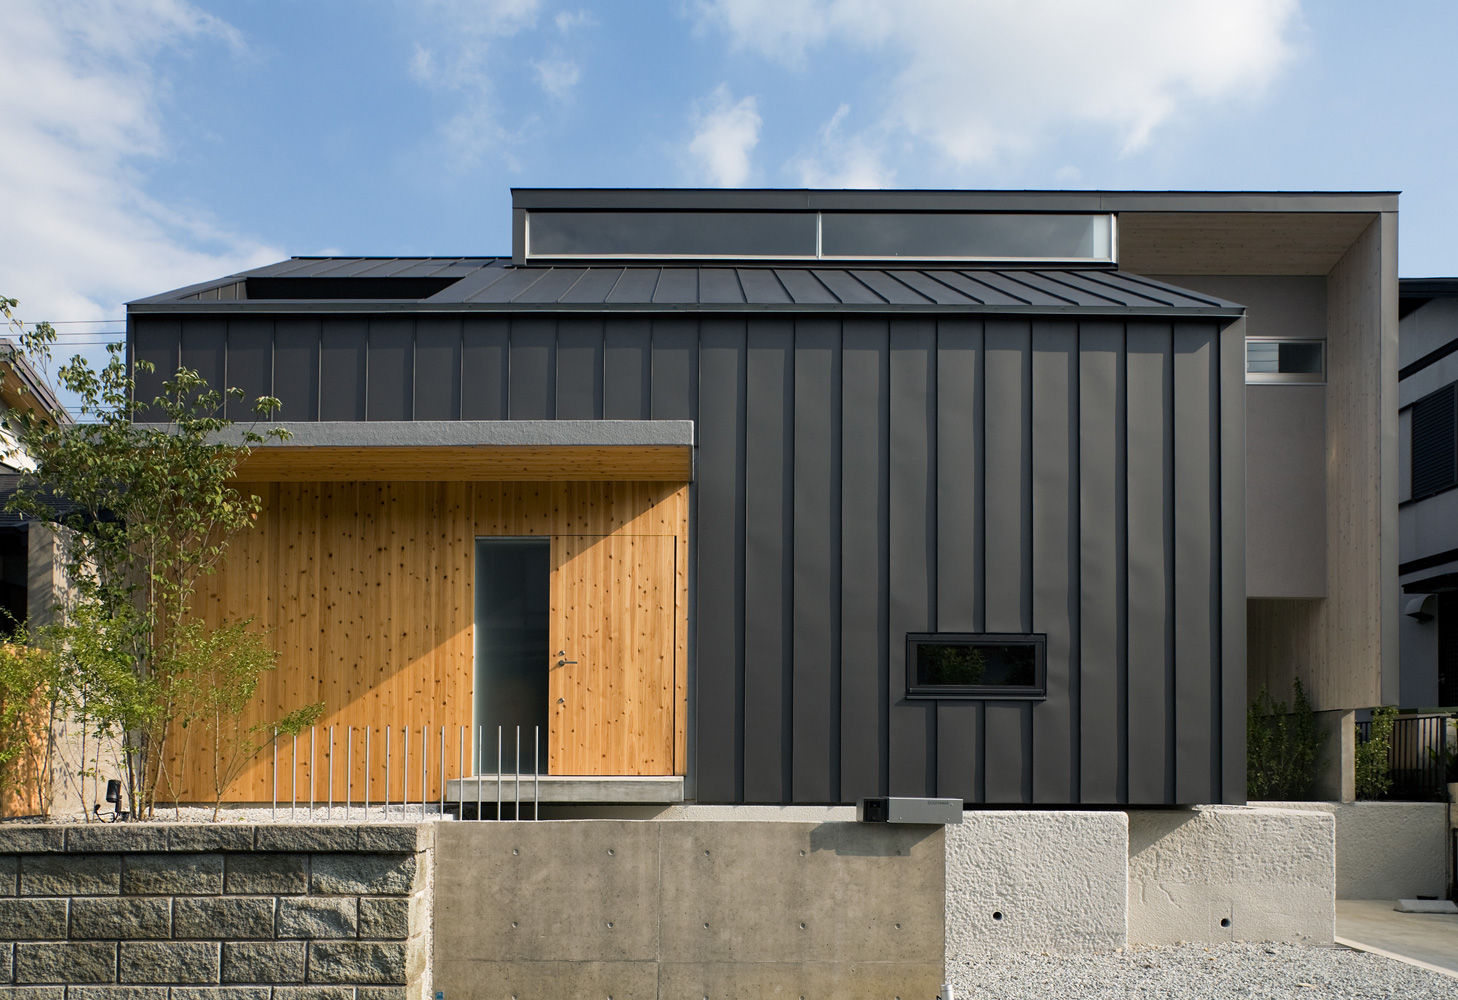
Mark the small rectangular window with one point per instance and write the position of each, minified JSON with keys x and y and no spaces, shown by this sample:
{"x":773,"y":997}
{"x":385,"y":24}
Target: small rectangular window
{"x":1274,"y":359}
{"x":982,"y":665}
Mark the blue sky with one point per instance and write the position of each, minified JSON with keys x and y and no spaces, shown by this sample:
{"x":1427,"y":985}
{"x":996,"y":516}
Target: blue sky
{"x":153,"y":143}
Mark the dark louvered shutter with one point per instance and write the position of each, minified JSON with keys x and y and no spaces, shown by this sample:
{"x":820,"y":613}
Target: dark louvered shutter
{"x":1435,"y":442}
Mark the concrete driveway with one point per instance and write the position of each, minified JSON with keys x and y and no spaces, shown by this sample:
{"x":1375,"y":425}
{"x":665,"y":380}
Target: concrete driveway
{"x":1429,"y":940}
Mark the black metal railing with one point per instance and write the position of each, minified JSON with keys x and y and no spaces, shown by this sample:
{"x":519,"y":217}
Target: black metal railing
{"x":1421,"y":748}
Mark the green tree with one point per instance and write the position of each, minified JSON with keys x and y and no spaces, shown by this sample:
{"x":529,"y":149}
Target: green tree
{"x":1283,"y":747}
{"x":149,"y":510}
{"x":1373,"y":763}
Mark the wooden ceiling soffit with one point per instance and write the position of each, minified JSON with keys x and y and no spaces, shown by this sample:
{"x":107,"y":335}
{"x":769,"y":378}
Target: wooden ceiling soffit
{"x":1237,"y":242}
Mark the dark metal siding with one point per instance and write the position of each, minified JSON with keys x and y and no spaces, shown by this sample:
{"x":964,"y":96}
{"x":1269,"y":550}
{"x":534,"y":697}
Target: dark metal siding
{"x":861,"y":477}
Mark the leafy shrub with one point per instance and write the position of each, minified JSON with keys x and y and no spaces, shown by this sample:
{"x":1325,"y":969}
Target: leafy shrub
{"x":1373,"y":762}
{"x":1283,"y":747}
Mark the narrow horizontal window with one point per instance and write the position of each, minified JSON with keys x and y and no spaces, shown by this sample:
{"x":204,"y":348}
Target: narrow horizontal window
{"x":976,"y":665}
{"x":967,"y":236}
{"x":1274,"y":359}
{"x":656,"y":234}
{"x":670,"y":234}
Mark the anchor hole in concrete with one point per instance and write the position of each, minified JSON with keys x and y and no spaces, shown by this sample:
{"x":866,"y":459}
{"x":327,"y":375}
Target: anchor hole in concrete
{"x":610,"y":927}
{"x":802,"y":925}
{"x":996,"y":914}
{"x":515,"y":851}
{"x":611,"y":852}
{"x":1224,"y":921}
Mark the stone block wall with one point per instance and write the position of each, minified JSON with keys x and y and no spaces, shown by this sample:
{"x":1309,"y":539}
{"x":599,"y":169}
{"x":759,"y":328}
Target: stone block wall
{"x":224,"y":911}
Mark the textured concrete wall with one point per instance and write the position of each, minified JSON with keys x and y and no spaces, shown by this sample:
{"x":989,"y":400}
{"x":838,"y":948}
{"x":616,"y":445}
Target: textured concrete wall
{"x":1036,"y":881}
{"x":1231,"y":873}
{"x":688,"y":909}
{"x":141,"y":912}
{"x":1386,"y":850}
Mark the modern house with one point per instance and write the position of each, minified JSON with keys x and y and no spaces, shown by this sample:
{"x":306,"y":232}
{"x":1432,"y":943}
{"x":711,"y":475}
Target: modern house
{"x":28,"y":556}
{"x":1428,"y":491}
{"x":805,"y":496}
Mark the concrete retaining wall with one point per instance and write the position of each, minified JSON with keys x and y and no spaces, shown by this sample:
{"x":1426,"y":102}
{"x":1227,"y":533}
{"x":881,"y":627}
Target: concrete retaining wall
{"x":1231,"y":873}
{"x":1036,"y":881}
{"x":1386,"y":850}
{"x":688,"y":909}
{"x":146,"y":911}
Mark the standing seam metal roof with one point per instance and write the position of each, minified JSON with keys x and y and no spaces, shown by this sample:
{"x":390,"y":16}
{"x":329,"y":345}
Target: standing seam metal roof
{"x":494,"y":284}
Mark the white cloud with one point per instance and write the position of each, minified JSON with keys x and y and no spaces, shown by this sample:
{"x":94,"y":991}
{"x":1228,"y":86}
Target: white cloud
{"x":81,"y":117}
{"x":557,"y":75}
{"x":571,"y":20}
{"x":982,"y":81}
{"x":456,"y":59}
{"x":725,"y":134}
{"x":856,"y":160}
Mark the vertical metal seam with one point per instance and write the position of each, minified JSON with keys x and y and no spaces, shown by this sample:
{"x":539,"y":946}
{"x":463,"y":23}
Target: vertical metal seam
{"x":319,"y":369}
{"x":1028,"y":557}
{"x":461,"y":369}
{"x":933,"y":368}
{"x":836,"y":780}
{"x":787,"y":573}
{"x":227,"y":331}
{"x":1075,"y":639}
{"x":365,"y":388}
{"x":414,"y":359}
{"x":883,"y":547}
{"x":979,"y":462}
{"x":1217,"y":578}
{"x":1172,"y":787}
{"x":1121,"y":486}
{"x":741,"y":532}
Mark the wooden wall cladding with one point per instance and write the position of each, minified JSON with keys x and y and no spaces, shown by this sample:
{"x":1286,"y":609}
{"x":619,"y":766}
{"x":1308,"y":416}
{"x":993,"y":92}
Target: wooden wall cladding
{"x":366,"y":590}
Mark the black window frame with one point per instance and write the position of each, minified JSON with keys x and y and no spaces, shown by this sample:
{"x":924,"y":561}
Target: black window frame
{"x":1037,"y":691}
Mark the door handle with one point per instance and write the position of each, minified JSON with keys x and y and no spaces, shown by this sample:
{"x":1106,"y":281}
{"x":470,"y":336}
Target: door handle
{"x":563,"y":663}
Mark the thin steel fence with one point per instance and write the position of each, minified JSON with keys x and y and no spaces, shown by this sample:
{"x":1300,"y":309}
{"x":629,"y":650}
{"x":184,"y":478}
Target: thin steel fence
{"x":1419,"y":756}
{"x":440,"y":771}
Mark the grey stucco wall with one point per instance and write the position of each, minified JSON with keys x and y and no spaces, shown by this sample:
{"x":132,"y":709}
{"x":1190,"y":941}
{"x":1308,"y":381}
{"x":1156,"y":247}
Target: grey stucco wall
{"x":332,"y":913}
{"x":1387,"y":850}
{"x":1231,"y":874}
{"x":1285,"y":507}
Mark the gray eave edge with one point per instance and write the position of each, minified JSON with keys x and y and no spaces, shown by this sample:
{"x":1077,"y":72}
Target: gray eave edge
{"x":467,"y":433}
{"x":369,"y":306}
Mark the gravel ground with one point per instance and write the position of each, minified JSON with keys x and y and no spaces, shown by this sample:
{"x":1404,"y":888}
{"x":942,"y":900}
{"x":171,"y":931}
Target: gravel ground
{"x":1197,"y":972}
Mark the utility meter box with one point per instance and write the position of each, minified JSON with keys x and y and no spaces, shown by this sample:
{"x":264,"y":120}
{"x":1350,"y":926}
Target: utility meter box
{"x":898,"y":809}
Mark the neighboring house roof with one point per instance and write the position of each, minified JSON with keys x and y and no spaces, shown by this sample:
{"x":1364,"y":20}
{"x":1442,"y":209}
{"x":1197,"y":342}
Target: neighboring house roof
{"x":59,"y":506}
{"x":21,"y":380}
{"x":381,"y":284}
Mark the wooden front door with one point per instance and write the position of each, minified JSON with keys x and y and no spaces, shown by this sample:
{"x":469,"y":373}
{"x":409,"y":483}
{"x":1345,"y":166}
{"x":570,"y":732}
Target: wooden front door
{"x":611,"y":671}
